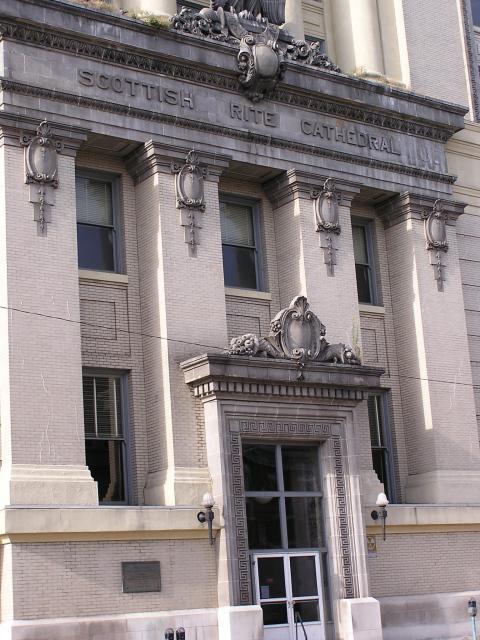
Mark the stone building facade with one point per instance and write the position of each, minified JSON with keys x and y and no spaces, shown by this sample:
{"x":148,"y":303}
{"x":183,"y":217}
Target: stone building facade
{"x":170,"y":184}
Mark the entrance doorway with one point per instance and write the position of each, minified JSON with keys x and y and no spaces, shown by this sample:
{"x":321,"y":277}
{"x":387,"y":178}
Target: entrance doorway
{"x":285,"y":534}
{"x":288,"y":588}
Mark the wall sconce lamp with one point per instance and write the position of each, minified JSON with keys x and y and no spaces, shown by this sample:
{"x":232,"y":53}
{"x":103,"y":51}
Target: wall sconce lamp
{"x":207,"y":515}
{"x":382,"y":502}
{"x":472,"y":612}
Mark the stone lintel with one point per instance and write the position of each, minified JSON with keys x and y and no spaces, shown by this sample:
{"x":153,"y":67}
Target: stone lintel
{"x":213,"y":375}
{"x":406,"y":206}
{"x":294,"y":184}
{"x":13,"y":127}
{"x":154,"y":157}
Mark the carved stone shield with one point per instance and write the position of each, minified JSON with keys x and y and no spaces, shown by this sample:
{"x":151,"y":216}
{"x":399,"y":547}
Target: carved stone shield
{"x":189,"y":183}
{"x":41,"y":156}
{"x":436,"y":228}
{"x":266,"y":61}
{"x":298,"y":332}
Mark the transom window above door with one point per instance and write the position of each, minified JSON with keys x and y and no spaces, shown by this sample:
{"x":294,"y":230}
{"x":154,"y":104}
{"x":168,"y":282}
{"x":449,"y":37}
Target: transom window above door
{"x":283,"y":496}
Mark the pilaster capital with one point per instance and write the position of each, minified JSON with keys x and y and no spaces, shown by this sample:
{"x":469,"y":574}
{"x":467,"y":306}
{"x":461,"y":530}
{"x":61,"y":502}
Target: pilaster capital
{"x":411,"y":206}
{"x":294,"y":184}
{"x":154,"y":157}
{"x":16,"y":129}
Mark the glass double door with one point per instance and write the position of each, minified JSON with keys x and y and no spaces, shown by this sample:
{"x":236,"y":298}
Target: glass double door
{"x":288,"y":588}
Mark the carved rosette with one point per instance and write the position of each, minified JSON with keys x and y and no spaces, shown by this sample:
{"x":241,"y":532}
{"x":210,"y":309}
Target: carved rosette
{"x":435,"y":228}
{"x":41,"y":156}
{"x":296,"y":334}
{"x":190,"y":196}
{"x":327,"y":220}
{"x":41,"y":172}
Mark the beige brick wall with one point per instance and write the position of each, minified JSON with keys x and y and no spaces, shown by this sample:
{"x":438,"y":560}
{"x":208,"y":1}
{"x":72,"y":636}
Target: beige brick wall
{"x":84,"y":578}
{"x":111,"y":329}
{"x":379,"y":348}
{"x":422,"y":563}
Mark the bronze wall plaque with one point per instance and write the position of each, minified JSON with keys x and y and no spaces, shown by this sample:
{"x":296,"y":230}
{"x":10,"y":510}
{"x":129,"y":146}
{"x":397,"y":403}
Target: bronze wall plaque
{"x":141,"y":577}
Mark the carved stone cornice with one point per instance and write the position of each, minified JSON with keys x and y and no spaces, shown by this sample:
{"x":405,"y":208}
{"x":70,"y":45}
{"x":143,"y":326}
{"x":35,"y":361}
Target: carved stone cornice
{"x":102,"y":50}
{"x":15,"y":129}
{"x":154,"y":157}
{"x":410,"y":206}
{"x":219,"y":130}
{"x":295,"y":184}
{"x":219,"y":375}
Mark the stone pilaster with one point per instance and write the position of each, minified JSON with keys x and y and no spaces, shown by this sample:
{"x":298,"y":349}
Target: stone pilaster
{"x":433,"y":355}
{"x":357,"y":36}
{"x":294,"y":19}
{"x":42,"y":433}
{"x":305,"y":253}
{"x":172,"y":251}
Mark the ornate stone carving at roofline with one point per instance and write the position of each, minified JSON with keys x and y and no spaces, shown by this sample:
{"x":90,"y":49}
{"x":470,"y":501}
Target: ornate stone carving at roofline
{"x":296,"y":334}
{"x":255,"y":26}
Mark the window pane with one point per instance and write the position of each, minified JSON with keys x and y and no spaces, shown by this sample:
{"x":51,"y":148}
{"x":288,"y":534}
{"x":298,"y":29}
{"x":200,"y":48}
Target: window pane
{"x":271,"y":577}
{"x":259,"y":467}
{"x":263,"y":523}
{"x":374,"y":420}
{"x":109,"y":418}
{"x":239,"y":268}
{"x":88,"y":406}
{"x":363,"y":283}
{"x":105,"y":461}
{"x":360,"y":244}
{"x":274,"y":614}
{"x":378,"y":457}
{"x":95,"y":247}
{"x":476,"y":12}
{"x":300,"y":469}
{"x":304,"y":576}
{"x":94,"y":201}
{"x":304,"y":522}
{"x":306,"y":611}
{"x":237,"y":224}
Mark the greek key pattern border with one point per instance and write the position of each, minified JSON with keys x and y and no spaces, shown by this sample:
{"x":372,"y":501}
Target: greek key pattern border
{"x":283,"y":430}
{"x":130,"y":57}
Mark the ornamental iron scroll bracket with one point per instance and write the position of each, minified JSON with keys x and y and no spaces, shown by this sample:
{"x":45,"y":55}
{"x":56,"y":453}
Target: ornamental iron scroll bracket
{"x":190,"y":197}
{"x":435,"y":229}
{"x":296,"y":334}
{"x":326,"y":204}
{"x":41,"y":171}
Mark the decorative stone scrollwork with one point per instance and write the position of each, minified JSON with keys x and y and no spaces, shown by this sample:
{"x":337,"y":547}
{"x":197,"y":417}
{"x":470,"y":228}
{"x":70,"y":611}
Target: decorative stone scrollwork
{"x":41,"y":169}
{"x":41,"y":156}
{"x":327,"y":220}
{"x":190,"y":196}
{"x":435,"y":227}
{"x":296,"y":334}
{"x":255,"y":26}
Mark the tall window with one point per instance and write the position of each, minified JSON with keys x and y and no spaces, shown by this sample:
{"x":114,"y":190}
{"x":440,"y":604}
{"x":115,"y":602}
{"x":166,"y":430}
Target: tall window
{"x":381,"y":442}
{"x":364,"y":260}
{"x":96,"y":222}
{"x":476,"y":12}
{"x":105,"y":435}
{"x":240,"y":244}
